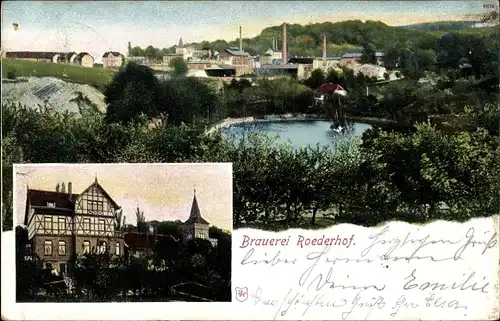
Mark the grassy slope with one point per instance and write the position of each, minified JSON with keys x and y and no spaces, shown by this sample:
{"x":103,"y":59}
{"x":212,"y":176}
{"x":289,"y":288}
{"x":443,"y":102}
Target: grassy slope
{"x":91,"y":76}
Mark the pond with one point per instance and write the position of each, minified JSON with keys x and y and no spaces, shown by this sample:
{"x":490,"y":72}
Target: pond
{"x":301,"y":133}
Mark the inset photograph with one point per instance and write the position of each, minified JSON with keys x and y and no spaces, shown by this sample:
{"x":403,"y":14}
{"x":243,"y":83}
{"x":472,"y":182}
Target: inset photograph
{"x":123,"y":232}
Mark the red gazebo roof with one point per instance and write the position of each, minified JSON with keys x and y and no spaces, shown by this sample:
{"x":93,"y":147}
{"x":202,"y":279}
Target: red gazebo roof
{"x":329,"y":88}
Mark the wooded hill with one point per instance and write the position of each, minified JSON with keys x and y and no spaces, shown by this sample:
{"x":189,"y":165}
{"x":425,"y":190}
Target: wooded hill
{"x":306,"y":40}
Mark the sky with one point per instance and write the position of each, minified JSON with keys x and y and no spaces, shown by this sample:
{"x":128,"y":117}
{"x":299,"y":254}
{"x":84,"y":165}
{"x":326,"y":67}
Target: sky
{"x":162,"y":191}
{"x":99,"y":26}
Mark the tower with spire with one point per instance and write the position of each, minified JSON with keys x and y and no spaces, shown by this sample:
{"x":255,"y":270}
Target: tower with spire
{"x":195,"y":226}
{"x":181,"y":44}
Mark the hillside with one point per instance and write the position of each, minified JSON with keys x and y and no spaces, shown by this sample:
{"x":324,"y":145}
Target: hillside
{"x":73,"y":73}
{"x":306,"y":40}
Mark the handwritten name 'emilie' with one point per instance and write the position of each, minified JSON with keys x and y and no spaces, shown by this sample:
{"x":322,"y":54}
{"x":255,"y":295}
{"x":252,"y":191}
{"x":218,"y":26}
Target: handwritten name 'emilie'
{"x":300,"y":241}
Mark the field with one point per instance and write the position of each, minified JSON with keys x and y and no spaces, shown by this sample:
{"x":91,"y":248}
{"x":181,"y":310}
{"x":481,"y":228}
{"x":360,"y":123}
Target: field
{"x":73,"y":73}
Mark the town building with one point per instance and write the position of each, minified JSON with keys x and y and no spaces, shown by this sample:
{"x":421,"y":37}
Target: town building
{"x":63,"y":225}
{"x":168,"y":58}
{"x":352,"y":58}
{"x":220,"y":71}
{"x":84,"y":59}
{"x":241,"y":60}
{"x":112,"y":59}
{"x":46,"y":56}
{"x":140,"y":244}
{"x":196,"y":226}
{"x":270,"y":56}
{"x":326,"y":64}
{"x":137,"y":59}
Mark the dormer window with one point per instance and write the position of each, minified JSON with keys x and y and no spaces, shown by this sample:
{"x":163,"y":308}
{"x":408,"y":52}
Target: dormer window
{"x":51,"y":204}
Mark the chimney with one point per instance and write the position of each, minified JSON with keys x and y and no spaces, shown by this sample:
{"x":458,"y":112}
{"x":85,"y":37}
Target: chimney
{"x":241,"y":41}
{"x":63,"y":188}
{"x":324,"y":49}
{"x":283,"y":48}
{"x":70,"y":188}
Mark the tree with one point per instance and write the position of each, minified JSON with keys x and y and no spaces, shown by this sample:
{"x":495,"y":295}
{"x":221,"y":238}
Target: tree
{"x":134,"y":90}
{"x":179,"y":66}
{"x":368,"y":54}
{"x":333,"y":76}
{"x":316,"y":79}
{"x":152,"y":53}
{"x":182,"y":105}
{"x":141,"y":221}
{"x":137,"y":52}
{"x":391,"y":58}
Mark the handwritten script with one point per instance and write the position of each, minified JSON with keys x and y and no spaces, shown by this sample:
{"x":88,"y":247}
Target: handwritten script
{"x":400,"y":271}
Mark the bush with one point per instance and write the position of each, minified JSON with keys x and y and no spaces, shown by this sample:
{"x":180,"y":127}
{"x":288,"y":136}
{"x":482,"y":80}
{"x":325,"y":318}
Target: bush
{"x":11,"y":74}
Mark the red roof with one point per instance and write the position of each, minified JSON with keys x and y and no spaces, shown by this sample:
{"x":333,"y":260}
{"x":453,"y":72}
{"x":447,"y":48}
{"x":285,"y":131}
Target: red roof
{"x":143,"y":240}
{"x":329,"y":88}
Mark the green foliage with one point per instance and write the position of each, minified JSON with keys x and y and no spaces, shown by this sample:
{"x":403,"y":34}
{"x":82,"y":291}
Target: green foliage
{"x":75,"y":73}
{"x":179,"y":66}
{"x":306,"y":40}
{"x":368,"y":54}
{"x":11,"y":74}
{"x":316,"y":79}
{"x":133,"y":91}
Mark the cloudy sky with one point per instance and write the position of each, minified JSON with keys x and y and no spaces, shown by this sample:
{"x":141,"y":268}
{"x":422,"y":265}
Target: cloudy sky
{"x":162,"y":191}
{"x":98,"y":26}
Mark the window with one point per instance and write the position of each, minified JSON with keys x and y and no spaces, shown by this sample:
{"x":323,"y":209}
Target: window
{"x":62,"y":268}
{"x":48,"y":248}
{"x":86,"y":224}
{"x":117,"y":252}
{"x":101,"y":225}
{"x":95,"y":205}
{"x":62,"y":248}
{"x":62,"y":224}
{"x":51,"y":204}
{"x":48,"y":224}
{"x":86,"y":247}
{"x":102,"y":247}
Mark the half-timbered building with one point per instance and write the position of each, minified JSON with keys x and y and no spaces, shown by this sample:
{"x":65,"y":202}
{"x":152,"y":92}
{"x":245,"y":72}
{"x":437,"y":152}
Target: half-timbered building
{"x":62,"y":225}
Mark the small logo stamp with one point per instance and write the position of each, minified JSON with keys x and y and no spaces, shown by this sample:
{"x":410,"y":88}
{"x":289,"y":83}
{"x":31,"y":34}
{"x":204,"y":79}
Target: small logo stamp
{"x":241,"y":294}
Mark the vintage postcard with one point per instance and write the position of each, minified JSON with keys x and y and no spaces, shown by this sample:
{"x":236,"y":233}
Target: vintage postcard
{"x":250,"y":160}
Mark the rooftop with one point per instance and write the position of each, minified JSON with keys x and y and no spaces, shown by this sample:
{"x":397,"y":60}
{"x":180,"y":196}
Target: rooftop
{"x":237,"y":52}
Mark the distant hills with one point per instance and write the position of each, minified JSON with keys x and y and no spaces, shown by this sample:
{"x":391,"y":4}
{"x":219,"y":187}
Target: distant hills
{"x":441,"y":26}
{"x":345,"y":36}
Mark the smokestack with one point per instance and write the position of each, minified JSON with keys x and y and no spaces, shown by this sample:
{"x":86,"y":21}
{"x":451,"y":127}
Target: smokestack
{"x":324,"y":49}
{"x":63,"y":188}
{"x":70,"y":188}
{"x":283,"y":48}
{"x":241,"y":41}
{"x":58,"y":187}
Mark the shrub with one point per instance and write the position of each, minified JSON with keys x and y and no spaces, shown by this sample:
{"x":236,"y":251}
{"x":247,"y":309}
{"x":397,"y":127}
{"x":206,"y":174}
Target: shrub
{"x":11,"y":74}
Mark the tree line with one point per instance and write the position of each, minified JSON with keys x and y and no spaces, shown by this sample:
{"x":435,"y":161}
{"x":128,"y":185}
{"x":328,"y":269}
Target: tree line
{"x":417,"y":174}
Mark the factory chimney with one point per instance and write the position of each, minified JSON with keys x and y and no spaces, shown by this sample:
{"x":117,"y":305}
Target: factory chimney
{"x":283,"y":48}
{"x":324,"y":49}
{"x":241,"y":41}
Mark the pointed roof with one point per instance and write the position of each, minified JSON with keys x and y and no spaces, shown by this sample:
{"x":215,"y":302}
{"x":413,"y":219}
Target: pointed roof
{"x":181,"y":44}
{"x":195,"y":215}
{"x":96,"y":184}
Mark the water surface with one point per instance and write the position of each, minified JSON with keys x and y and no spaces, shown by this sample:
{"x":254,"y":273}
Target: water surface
{"x":301,"y":133}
